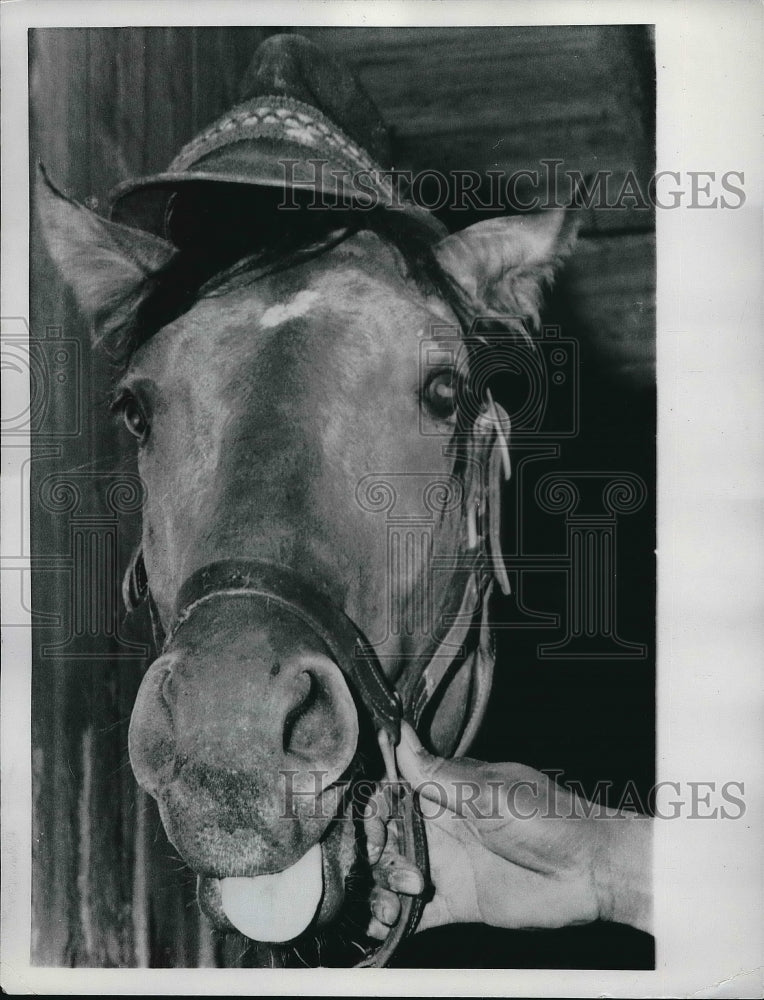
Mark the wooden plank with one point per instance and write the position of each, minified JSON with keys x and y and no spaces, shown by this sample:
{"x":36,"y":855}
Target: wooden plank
{"x":608,"y":297}
{"x":55,"y":762}
{"x":168,"y":120}
{"x":107,"y":827}
{"x":221,"y":56}
{"x":129,"y":111}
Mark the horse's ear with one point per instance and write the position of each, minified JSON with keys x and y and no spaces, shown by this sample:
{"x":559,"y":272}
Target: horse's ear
{"x":503,"y":265}
{"x":107,"y":265}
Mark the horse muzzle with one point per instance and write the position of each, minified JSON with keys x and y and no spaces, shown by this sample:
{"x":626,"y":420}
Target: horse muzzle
{"x":242,"y":730}
{"x":245,"y":730}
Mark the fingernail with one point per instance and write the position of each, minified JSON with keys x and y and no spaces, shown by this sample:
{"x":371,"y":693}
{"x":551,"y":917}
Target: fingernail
{"x":377,"y":930}
{"x":373,"y":852}
{"x":386,"y":914}
{"x":407,"y":881}
{"x":409,"y":736}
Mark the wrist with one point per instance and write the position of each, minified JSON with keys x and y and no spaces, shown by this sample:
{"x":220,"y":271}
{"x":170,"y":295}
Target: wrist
{"x":622,"y":869}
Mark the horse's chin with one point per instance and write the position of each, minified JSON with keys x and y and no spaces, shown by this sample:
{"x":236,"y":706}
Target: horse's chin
{"x":303,"y":898}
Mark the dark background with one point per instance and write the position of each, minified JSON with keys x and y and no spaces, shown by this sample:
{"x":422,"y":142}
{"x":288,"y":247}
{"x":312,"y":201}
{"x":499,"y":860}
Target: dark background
{"x":107,"y":104}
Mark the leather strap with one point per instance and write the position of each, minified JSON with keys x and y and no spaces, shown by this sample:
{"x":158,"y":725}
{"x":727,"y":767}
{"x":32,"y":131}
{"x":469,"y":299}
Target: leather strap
{"x":414,"y":844}
{"x":281,"y":586}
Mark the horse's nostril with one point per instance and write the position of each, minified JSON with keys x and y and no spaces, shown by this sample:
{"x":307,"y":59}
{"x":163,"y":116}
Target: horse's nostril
{"x":320,"y":725}
{"x":166,"y":688}
{"x":302,"y":722}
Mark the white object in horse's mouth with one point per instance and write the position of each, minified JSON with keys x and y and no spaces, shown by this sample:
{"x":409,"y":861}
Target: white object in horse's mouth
{"x":278,"y":907}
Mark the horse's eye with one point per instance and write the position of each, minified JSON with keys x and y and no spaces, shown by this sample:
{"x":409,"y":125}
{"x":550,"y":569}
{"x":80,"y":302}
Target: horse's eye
{"x":134,"y":417}
{"x":440,"y":394}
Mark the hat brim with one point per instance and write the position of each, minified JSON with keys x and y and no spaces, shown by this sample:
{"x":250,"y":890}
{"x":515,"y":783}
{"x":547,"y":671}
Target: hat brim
{"x":144,"y":202}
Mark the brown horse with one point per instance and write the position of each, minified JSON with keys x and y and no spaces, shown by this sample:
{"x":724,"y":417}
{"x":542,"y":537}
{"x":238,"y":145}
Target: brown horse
{"x":279,"y":400}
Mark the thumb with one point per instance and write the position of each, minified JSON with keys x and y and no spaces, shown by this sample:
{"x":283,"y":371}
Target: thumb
{"x":434,"y":778}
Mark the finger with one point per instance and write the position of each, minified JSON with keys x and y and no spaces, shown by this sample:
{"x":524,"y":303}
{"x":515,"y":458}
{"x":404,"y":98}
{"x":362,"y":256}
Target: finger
{"x":375,"y":830}
{"x":381,"y":802}
{"x":377,"y":929}
{"x":379,"y":821}
{"x":433,"y":777}
{"x":397,"y":873}
{"x":385,"y":905}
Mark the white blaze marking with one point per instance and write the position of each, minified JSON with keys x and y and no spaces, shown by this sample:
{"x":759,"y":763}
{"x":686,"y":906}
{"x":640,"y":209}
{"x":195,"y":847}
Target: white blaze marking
{"x":298,"y":306}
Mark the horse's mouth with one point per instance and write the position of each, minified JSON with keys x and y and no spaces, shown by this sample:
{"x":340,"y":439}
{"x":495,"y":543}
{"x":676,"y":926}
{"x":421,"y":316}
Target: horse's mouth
{"x":284,"y":905}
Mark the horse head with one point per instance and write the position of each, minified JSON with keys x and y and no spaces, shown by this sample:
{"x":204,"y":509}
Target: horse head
{"x":285,"y":388}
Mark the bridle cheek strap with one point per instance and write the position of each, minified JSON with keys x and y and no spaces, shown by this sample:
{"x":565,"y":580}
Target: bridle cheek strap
{"x":412,"y":843}
{"x":486,"y":564}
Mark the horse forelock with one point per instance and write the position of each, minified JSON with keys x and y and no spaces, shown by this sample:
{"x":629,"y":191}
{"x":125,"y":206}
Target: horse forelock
{"x":207,"y":270}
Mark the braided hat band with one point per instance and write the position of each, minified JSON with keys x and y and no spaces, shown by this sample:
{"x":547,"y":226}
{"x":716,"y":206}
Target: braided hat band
{"x":309,"y":125}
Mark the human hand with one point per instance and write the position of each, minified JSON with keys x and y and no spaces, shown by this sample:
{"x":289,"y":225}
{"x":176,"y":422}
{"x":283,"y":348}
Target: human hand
{"x":508,"y":847}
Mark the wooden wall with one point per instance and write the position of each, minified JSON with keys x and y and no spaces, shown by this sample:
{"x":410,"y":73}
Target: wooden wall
{"x":506,"y":99}
{"x":108,"y":889}
{"x":107,"y":104}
